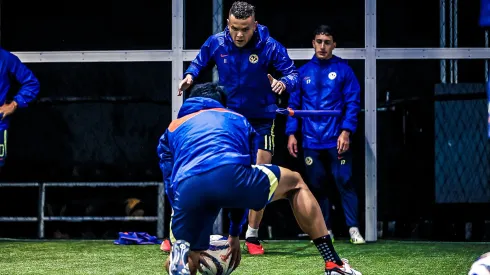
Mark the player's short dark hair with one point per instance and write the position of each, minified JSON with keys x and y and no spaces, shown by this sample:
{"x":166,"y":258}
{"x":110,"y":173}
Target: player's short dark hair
{"x":209,"y":90}
{"x":242,"y":10}
{"x":324,"y":29}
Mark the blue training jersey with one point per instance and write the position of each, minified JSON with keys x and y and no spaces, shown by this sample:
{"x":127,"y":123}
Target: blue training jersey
{"x":204,"y":136}
{"x":243,"y":71}
{"x":12,"y":68}
{"x":325,"y":85}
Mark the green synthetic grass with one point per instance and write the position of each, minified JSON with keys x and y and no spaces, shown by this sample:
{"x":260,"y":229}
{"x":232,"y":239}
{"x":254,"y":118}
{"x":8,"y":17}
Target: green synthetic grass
{"x":102,"y":257}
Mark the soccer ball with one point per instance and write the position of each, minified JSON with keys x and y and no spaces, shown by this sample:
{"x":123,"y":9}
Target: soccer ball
{"x":216,"y":257}
{"x":481,"y":266}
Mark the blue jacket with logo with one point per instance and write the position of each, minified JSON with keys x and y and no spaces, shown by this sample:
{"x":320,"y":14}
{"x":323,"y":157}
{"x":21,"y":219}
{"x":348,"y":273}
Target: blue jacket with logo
{"x":12,"y":68}
{"x":204,"y":136}
{"x":243,"y":71}
{"x":325,"y":85}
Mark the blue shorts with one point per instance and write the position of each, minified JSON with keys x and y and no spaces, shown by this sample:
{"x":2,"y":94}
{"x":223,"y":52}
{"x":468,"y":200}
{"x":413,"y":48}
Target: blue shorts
{"x":198,"y":200}
{"x":3,"y":147}
{"x":265,"y":137}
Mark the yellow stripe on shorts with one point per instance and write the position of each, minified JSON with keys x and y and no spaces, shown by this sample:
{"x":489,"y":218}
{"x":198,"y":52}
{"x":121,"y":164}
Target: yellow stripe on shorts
{"x":273,"y":181}
{"x":3,"y":147}
{"x":272,"y":136}
{"x":172,"y":238}
{"x":269,"y":143}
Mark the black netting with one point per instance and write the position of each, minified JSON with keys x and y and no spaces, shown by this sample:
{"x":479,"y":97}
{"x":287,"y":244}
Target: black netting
{"x":111,"y":137}
{"x":462,"y":149}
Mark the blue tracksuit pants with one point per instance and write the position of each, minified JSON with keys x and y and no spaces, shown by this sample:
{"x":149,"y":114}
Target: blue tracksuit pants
{"x":325,"y":165}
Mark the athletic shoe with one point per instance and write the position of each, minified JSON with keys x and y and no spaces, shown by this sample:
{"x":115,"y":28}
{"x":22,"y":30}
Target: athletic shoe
{"x":179,"y":261}
{"x":254,"y":247}
{"x":355,"y":236}
{"x":332,"y":268}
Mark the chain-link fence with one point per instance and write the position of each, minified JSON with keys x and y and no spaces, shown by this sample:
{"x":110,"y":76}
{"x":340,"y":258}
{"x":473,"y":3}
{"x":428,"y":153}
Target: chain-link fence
{"x":462,"y":149}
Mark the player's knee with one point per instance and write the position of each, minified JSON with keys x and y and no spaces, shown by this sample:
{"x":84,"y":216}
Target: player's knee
{"x":263,"y":157}
{"x":295,"y":181}
{"x":289,"y":183}
{"x":300,"y":183}
{"x":300,"y":186}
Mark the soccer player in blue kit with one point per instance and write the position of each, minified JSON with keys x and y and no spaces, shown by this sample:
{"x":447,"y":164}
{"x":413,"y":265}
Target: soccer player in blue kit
{"x":244,"y":54}
{"x":207,"y":159}
{"x":328,"y":83}
{"x":12,"y":68}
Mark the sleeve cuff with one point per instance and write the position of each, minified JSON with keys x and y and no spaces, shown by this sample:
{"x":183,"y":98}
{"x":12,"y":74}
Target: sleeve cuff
{"x":235,"y":230}
{"x":21,"y":103}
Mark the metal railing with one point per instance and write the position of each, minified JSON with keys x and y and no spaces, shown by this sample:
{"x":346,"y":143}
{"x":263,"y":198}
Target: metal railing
{"x":41,"y":218}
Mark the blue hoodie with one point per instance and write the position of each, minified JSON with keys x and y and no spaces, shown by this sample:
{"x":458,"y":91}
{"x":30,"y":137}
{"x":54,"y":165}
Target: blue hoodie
{"x":325,"y":85}
{"x":11,"y":66}
{"x":485,"y":13}
{"x":204,"y":136}
{"x":243,"y":71}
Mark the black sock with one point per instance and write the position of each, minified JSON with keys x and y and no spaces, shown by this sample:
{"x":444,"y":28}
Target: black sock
{"x":253,"y":240}
{"x":325,"y":246}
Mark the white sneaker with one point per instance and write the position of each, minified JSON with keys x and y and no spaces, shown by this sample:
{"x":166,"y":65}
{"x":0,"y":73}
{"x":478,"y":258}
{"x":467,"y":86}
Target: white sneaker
{"x":346,"y":269}
{"x":355,"y":236}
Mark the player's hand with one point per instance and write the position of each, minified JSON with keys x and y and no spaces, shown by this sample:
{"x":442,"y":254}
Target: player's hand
{"x":277,"y":86}
{"x":202,"y":261}
{"x":7,"y":109}
{"x":343,"y":142}
{"x":185,"y":83}
{"x":293,"y":146}
{"x":235,"y":252}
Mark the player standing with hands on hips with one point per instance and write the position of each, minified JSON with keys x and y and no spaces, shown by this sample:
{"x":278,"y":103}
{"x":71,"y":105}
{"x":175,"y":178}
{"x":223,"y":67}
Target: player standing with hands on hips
{"x":328,"y":83}
{"x":243,"y":53}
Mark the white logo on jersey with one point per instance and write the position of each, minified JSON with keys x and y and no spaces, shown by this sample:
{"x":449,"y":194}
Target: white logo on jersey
{"x":253,"y":58}
{"x":332,"y":75}
{"x":308,"y":161}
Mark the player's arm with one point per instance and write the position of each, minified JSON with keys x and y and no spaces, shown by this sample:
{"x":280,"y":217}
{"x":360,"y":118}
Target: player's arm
{"x":252,"y":134}
{"x":352,"y":98}
{"x":202,"y":60}
{"x":166,"y":161}
{"x":294,"y":103}
{"x":238,"y":217}
{"x":29,"y":84}
{"x":283,"y":64}
{"x":292,"y":122}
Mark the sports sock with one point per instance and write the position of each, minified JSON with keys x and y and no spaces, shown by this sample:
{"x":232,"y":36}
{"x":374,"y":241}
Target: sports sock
{"x":252,"y":233}
{"x":326,"y":249}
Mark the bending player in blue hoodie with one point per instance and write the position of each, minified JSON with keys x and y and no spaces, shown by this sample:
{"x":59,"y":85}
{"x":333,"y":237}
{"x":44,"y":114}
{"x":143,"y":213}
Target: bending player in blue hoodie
{"x":243,"y":53}
{"x":12,"y":68}
{"x":206,"y":156}
{"x":328,"y":83}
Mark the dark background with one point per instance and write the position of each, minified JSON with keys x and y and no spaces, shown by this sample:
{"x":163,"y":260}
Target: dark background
{"x":117,"y":141}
